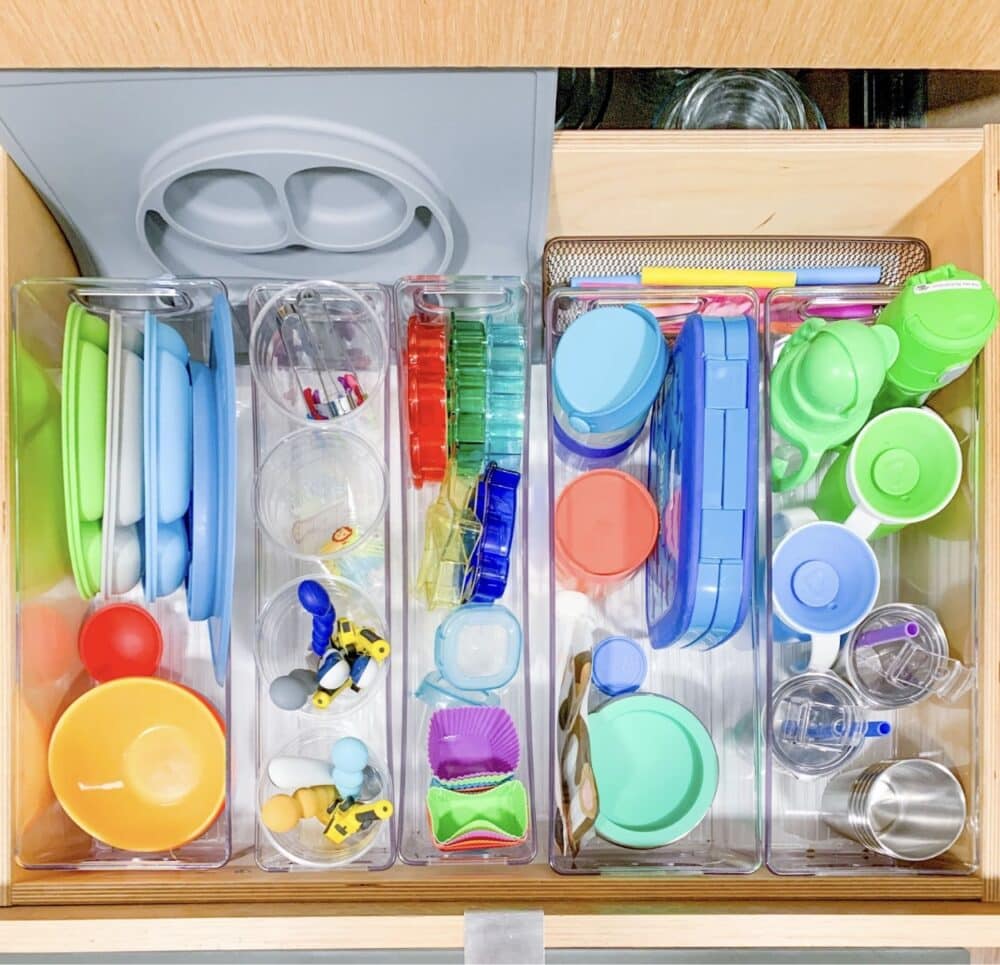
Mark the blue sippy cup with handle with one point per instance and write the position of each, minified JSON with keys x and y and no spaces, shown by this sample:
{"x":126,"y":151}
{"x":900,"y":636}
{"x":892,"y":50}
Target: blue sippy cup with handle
{"x":824,"y":581}
{"x":606,"y":372}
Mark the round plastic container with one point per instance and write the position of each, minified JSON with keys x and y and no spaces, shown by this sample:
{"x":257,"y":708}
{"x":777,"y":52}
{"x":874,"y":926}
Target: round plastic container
{"x":606,"y":372}
{"x":306,"y":844}
{"x":320,"y":494}
{"x":606,"y":525}
{"x":315,"y":337}
{"x":284,"y":632}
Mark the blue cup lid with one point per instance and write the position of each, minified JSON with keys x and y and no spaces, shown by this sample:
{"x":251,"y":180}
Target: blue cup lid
{"x":618,"y":666}
{"x":824,"y":578}
{"x":607,"y":368}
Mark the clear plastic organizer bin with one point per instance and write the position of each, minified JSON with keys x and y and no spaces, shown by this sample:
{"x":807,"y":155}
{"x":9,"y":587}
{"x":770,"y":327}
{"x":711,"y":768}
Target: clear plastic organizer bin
{"x":324,"y":650}
{"x":462,"y":354}
{"x":655,"y":665}
{"x":871,"y":716}
{"x":122,"y":437}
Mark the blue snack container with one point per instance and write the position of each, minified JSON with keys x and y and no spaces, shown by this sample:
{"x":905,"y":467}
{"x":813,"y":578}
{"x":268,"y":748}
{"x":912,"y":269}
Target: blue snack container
{"x":606,"y":372}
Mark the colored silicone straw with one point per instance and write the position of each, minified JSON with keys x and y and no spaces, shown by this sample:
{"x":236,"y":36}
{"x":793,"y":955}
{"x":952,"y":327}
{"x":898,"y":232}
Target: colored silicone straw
{"x":897,"y":632}
{"x":874,"y":728}
{"x":839,"y":275}
{"x":718,"y":276}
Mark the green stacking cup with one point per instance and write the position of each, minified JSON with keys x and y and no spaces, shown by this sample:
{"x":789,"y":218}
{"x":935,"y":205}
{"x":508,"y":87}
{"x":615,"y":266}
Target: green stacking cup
{"x":904,"y":466}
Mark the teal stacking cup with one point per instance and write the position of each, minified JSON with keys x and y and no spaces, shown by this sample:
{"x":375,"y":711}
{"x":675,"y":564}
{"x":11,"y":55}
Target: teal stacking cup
{"x":606,"y":372}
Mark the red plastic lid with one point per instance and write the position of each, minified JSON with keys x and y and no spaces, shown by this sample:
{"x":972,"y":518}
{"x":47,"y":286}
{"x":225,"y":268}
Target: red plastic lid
{"x":606,"y":525}
{"x":120,"y":640}
{"x":426,"y":393}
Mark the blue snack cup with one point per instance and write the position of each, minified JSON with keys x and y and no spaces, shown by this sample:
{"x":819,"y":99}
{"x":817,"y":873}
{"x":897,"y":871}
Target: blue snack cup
{"x":606,"y":371}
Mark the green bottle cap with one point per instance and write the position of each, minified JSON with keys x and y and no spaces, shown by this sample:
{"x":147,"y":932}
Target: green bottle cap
{"x":822,"y":389}
{"x":943,"y":318}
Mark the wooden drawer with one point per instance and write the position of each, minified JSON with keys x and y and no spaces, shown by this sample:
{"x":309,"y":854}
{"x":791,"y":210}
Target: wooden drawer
{"x":939,"y":186}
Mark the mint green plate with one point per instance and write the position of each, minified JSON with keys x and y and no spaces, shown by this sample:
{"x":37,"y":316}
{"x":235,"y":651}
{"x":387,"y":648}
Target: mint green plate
{"x":656,"y":770}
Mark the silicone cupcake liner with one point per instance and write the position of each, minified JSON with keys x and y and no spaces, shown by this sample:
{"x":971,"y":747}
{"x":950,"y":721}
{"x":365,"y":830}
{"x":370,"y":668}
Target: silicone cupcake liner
{"x":472,"y":782}
{"x":495,"y":506}
{"x":498,"y":816}
{"x":426,"y":394}
{"x":471,"y":741}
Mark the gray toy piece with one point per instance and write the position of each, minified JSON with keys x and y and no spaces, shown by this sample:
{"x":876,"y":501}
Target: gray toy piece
{"x":353,"y":175}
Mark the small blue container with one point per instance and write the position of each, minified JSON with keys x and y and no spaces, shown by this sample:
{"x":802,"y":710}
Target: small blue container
{"x":606,"y":371}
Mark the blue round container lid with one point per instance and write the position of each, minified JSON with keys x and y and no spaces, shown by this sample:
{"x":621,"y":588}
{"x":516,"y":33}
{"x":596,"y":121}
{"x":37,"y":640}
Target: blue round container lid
{"x":618,"y":666}
{"x":608,"y":367}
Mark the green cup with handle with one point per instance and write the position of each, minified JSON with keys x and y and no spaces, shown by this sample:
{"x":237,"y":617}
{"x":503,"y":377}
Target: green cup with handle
{"x":905,"y":466}
{"x":822,"y":388}
{"x":943,"y":318}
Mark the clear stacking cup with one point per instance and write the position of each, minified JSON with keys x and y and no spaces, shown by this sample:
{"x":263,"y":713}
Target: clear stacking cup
{"x":319,"y":349}
{"x":306,"y":844}
{"x":320,"y":494}
{"x":284,"y":631}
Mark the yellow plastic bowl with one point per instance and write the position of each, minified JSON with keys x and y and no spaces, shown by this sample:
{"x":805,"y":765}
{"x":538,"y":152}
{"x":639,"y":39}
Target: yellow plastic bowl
{"x":140,"y":764}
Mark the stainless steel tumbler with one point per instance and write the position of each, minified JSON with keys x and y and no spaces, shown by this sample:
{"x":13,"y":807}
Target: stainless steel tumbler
{"x":910,"y":809}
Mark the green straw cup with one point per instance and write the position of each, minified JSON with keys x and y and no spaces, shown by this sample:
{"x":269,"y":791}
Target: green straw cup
{"x":905,"y":466}
{"x":822,"y":389}
{"x":943,"y":318}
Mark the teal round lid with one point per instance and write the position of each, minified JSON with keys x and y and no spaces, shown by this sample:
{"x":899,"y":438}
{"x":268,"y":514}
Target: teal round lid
{"x":656,"y":770}
{"x":608,"y":366}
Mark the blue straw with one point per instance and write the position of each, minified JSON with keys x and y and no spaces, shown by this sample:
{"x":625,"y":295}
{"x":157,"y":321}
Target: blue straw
{"x":841,"y":275}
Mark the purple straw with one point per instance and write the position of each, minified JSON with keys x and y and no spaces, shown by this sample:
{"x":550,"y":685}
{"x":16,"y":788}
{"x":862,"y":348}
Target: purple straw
{"x":898,"y":631}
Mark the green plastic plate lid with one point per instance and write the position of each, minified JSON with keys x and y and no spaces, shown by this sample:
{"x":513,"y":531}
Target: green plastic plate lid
{"x":84,"y":411}
{"x":656,"y":770}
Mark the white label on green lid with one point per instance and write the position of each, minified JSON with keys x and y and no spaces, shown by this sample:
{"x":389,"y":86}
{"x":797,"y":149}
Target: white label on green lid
{"x":956,"y":284}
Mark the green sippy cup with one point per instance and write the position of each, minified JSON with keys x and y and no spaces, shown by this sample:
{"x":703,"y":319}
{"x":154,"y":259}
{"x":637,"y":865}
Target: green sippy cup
{"x":943,"y":318}
{"x":905,"y":466}
{"x":822,"y":389}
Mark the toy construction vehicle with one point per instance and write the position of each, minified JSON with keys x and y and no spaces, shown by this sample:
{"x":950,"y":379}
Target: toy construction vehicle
{"x":349,"y":817}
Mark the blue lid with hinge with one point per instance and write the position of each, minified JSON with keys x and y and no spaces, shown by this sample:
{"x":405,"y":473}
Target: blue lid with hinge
{"x":703,"y":476}
{"x":608,"y":366}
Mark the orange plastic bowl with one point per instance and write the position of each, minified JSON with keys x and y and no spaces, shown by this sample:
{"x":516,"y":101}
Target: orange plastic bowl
{"x":140,"y":764}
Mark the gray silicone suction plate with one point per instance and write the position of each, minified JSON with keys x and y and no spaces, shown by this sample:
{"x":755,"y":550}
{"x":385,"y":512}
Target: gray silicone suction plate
{"x":355,"y":175}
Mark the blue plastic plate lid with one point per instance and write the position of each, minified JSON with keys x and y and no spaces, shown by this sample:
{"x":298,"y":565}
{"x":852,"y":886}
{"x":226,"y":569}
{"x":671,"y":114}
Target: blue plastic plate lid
{"x":203,"y":518}
{"x":608,"y":366}
{"x":223,"y":368}
{"x":703,"y":476}
{"x":150,"y":373}
{"x":167,"y":457}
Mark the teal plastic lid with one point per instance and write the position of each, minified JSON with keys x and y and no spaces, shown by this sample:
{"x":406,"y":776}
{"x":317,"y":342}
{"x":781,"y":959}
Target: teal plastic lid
{"x":608,"y":367}
{"x":656,"y":770}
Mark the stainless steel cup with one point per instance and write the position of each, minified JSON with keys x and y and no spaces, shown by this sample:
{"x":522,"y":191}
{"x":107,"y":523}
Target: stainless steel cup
{"x":911,"y":809}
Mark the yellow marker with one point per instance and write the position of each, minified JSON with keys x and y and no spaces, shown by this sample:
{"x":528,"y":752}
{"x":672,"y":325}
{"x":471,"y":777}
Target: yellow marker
{"x":718,"y":277}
